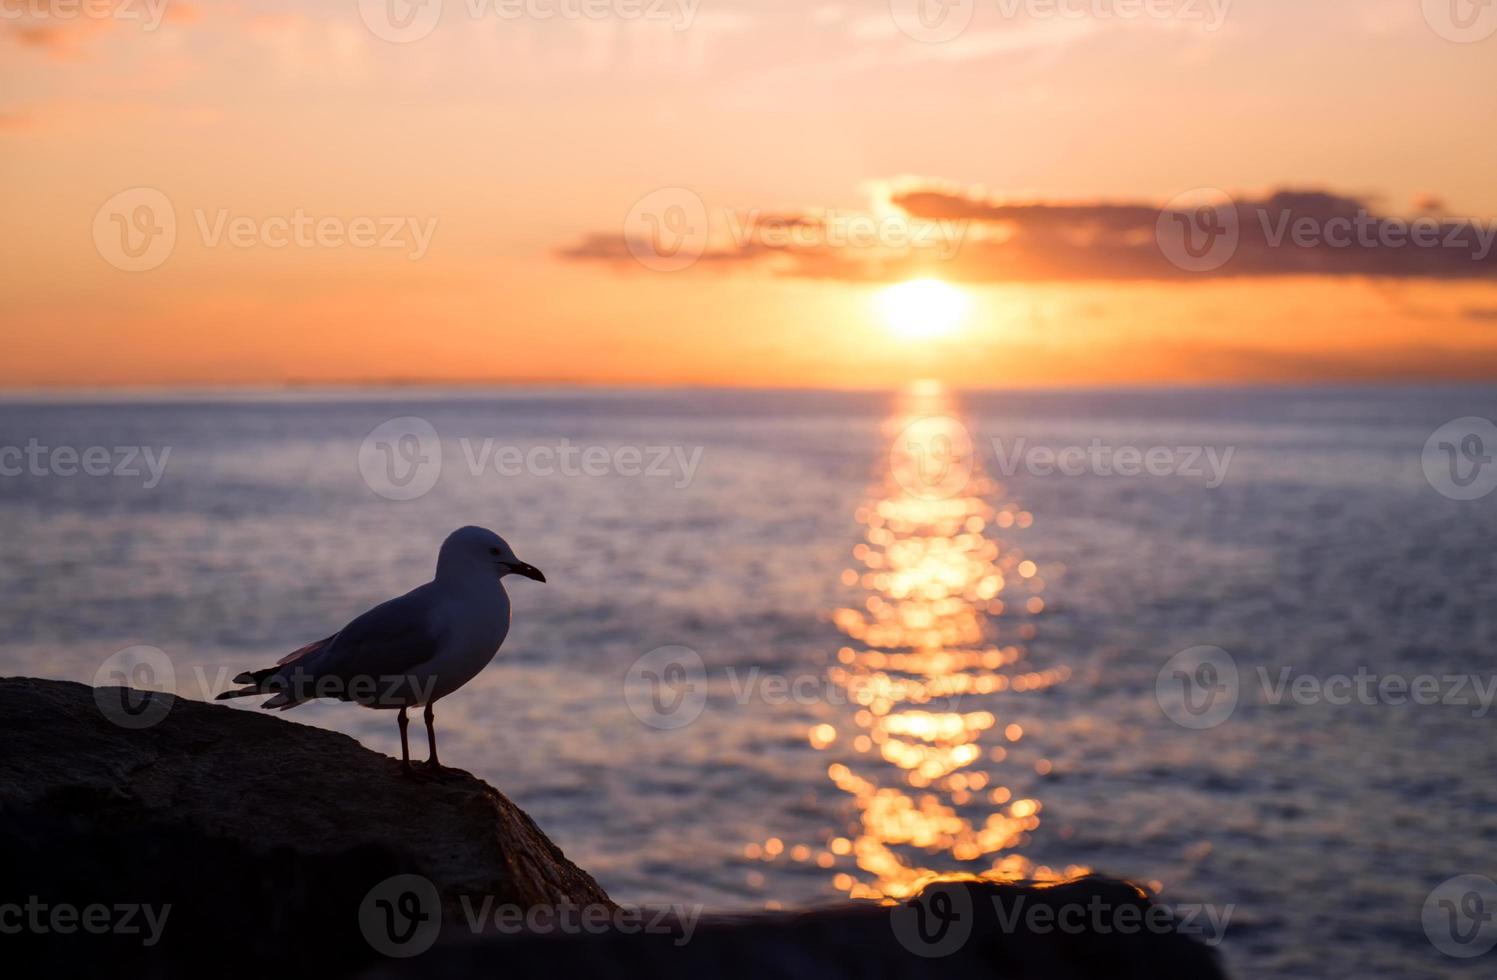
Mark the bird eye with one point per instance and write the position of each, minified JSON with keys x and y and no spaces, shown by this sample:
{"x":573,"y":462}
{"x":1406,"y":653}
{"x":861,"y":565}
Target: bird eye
{"x":493,"y":551}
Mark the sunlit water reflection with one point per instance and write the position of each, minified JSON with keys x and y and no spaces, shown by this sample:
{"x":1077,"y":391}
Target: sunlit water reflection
{"x":940,"y":637}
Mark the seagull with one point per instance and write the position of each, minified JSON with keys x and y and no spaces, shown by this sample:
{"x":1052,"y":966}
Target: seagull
{"x":411,"y":650}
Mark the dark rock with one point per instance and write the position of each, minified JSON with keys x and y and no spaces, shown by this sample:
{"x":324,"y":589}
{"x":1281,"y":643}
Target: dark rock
{"x":1092,"y":928}
{"x":264,"y":836}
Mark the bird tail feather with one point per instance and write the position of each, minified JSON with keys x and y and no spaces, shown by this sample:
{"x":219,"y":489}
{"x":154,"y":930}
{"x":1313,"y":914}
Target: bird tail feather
{"x":263,"y":682}
{"x":255,"y":676}
{"x":258,"y":681}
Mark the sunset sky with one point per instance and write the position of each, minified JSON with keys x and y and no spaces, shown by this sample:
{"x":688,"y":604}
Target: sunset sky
{"x":502,"y":172}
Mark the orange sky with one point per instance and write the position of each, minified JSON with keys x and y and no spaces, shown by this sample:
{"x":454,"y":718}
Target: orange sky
{"x":474,"y":200}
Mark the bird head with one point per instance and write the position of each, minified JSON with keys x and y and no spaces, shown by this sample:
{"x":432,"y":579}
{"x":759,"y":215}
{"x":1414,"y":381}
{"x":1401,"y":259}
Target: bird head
{"x":470,"y":549}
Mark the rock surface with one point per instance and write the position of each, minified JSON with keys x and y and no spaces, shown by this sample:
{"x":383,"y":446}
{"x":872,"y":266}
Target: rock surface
{"x":261,"y":833}
{"x":1091,"y":928}
{"x":202,"y":840}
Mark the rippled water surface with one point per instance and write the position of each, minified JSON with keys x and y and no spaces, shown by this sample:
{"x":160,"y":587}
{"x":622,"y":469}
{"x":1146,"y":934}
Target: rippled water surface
{"x":916,"y":657}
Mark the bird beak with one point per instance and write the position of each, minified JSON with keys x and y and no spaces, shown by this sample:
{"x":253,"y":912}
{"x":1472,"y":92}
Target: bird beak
{"x":527,"y":570}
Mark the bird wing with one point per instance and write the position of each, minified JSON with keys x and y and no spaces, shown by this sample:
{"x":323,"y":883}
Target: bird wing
{"x":391,"y":639}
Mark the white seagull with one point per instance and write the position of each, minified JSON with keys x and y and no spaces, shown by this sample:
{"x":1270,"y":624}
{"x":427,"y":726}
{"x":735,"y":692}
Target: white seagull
{"x":411,"y":650}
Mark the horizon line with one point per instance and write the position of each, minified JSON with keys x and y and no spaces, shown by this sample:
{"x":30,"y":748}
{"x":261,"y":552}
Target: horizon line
{"x":61,"y":391}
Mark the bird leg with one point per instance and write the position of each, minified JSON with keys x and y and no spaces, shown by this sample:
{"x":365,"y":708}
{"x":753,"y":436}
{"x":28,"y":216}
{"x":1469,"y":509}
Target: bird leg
{"x":431,"y":738}
{"x":405,"y":747}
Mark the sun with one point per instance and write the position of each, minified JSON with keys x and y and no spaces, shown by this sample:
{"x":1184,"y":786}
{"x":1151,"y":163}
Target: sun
{"x":923,"y":309}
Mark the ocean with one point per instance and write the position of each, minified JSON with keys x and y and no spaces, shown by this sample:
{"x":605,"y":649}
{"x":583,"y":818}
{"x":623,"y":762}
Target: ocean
{"x":1238,"y":644}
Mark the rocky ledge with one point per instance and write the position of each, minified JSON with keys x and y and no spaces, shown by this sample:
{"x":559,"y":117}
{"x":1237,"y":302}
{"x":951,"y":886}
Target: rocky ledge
{"x":251,"y":827}
{"x":146,"y":835}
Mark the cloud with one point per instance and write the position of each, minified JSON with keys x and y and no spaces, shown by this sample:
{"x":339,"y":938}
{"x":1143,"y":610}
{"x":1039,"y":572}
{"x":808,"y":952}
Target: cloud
{"x":1286,"y":232}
